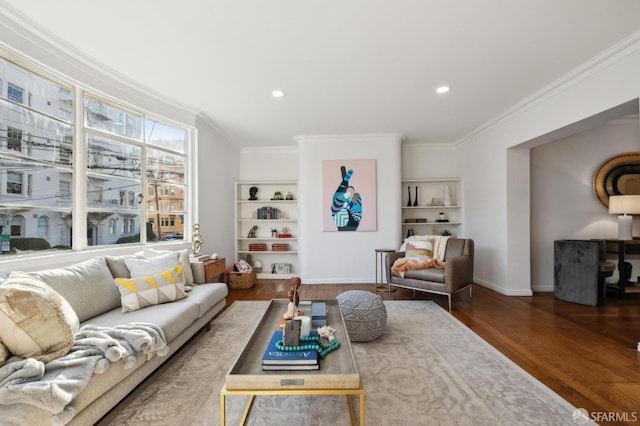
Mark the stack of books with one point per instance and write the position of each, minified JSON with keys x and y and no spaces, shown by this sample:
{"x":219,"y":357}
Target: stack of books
{"x":257,"y":247}
{"x":200,"y":257}
{"x":318,"y":314}
{"x":275,"y":359}
{"x":279,"y":247}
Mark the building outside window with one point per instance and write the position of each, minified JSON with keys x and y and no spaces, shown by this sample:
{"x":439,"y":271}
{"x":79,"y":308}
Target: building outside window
{"x":136,"y":165}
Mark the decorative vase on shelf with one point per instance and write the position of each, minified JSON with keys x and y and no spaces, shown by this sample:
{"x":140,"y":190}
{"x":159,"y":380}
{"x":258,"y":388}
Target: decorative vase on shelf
{"x":409,"y":192}
{"x":446,"y":199}
{"x":415,"y":202}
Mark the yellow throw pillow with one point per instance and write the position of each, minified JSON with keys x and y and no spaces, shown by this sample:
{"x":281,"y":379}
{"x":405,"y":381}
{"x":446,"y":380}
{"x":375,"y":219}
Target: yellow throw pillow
{"x":421,"y":250}
{"x":163,"y":287}
{"x":35,"y":320}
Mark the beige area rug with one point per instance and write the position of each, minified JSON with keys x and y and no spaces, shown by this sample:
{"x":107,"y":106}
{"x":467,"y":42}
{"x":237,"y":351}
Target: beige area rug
{"x":427,"y":369}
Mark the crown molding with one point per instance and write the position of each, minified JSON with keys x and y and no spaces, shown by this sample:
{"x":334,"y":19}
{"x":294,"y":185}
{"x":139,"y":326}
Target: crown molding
{"x":611,"y":55}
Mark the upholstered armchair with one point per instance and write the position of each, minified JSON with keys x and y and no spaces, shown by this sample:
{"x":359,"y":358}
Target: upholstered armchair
{"x":456,"y":275}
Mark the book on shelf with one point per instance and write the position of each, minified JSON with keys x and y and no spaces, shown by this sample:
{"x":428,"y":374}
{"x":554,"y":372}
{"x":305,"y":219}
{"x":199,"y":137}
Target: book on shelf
{"x":290,"y":359}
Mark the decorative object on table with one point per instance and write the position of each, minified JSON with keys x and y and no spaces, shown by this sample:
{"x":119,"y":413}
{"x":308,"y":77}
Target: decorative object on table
{"x":446,"y":199}
{"x":434,"y":230}
{"x":410,"y":232}
{"x":277,"y":195}
{"x":289,"y":196}
{"x":257,"y":266}
{"x":274,"y":232}
{"x":409,"y":194}
{"x":294,"y":299}
{"x":291,"y":332}
{"x":252,"y":193}
{"x":196,"y":239}
{"x":435,"y":202}
{"x":415,"y":202}
{"x":305,"y":324}
{"x":364,"y":314}
{"x":625,"y":206}
{"x":252,"y":232}
{"x":446,"y":233}
{"x":349,"y":196}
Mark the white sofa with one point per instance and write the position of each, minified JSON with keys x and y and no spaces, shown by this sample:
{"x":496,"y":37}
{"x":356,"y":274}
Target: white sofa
{"x":90,"y":290}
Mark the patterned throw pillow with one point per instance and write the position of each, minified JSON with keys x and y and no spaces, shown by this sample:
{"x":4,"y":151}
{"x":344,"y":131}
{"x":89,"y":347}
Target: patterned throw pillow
{"x":138,"y":293}
{"x":35,"y":321}
{"x":421,"y":250}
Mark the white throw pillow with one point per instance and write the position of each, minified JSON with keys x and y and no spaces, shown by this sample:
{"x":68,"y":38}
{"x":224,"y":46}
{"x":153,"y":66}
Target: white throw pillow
{"x":151,"y":266}
{"x":35,"y":321}
{"x":184,"y":260}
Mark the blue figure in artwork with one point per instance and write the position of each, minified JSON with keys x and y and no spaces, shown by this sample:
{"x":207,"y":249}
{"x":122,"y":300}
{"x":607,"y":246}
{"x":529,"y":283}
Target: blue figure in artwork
{"x":346,"y":205}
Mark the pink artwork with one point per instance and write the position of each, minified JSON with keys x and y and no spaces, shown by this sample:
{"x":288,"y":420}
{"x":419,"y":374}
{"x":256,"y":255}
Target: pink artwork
{"x":349,"y":195}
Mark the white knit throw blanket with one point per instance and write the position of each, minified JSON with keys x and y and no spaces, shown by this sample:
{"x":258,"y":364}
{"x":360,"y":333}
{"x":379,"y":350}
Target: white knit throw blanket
{"x":31,"y":389}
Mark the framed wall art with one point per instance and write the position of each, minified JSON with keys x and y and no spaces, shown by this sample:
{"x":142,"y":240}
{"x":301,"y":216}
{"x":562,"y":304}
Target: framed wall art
{"x":349,"y":195}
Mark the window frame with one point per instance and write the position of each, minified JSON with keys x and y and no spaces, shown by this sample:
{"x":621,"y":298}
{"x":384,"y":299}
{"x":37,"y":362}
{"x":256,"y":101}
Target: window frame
{"x":76,"y":181}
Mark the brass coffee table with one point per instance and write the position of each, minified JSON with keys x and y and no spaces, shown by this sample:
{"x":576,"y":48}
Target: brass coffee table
{"x":338,"y":373}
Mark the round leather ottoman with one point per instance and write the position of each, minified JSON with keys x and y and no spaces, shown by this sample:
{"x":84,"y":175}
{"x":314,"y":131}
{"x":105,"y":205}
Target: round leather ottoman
{"x":364,"y":314}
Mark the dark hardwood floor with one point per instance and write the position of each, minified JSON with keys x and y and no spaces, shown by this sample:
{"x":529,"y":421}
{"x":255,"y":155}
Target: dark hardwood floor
{"x":585,"y":354}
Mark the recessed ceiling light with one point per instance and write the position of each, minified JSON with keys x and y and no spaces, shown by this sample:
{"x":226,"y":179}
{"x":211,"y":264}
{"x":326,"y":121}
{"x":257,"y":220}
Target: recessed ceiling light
{"x":443,"y":89}
{"x":277,"y":93}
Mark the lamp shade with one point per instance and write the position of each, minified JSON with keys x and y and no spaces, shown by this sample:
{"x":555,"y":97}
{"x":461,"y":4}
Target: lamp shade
{"x":624,"y":204}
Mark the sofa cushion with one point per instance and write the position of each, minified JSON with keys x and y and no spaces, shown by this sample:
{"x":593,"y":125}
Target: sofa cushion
{"x":163,"y":287}
{"x":430,"y":274}
{"x":172,"y":318}
{"x":183,"y":256}
{"x":88,"y":286}
{"x":35,"y":321}
{"x":150,"y":266}
{"x":206,"y":296}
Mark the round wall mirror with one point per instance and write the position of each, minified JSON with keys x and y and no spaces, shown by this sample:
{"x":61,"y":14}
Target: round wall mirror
{"x":619,"y":175}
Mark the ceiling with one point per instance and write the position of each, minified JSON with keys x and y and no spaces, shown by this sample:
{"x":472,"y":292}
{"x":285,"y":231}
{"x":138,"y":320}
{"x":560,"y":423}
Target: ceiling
{"x":355,"y":66}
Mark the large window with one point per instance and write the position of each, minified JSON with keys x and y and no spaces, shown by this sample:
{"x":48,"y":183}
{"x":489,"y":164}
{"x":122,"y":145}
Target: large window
{"x":135,"y":175}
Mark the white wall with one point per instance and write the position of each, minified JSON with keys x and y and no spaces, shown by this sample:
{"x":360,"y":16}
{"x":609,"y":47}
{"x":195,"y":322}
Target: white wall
{"x":346,"y":257}
{"x":217,"y":172}
{"x":563,"y":201}
{"x":493,"y":190}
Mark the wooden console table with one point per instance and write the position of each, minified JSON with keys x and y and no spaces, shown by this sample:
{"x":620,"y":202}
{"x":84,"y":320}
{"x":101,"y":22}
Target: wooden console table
{"x":213,"y":268}
{"x":623,"y":248}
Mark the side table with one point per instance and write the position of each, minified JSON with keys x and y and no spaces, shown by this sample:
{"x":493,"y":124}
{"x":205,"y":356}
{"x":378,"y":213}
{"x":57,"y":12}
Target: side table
{"x":213,"y":268}
{"x":380,"y":259}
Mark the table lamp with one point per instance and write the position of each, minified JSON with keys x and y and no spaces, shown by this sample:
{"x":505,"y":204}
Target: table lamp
{"x":625,"y":206}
